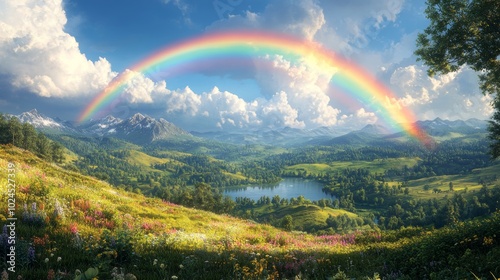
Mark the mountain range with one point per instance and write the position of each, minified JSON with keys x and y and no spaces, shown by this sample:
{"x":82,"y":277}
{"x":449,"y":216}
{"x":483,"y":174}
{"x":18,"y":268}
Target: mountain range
{"x":139,"y":129}
{"x":143,"y":129}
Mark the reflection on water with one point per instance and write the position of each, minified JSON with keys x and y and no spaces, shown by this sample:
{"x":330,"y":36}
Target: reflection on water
{"x":287,"y":188}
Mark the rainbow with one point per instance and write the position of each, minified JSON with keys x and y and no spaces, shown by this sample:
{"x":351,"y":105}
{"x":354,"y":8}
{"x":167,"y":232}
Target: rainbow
{"x":247,"y":44}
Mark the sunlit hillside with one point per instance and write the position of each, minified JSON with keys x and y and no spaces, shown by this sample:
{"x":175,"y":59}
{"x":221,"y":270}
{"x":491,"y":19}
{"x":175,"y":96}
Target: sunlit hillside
{"x":68,"y":222}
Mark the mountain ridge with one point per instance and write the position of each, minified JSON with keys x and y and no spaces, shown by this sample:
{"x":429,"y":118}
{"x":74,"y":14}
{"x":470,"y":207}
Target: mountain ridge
{"x":138,"y":129}
{"x":143,"y":129}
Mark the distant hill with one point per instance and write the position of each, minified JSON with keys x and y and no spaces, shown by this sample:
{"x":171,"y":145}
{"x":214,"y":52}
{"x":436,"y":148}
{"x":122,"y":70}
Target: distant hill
{"x":438,"y":129}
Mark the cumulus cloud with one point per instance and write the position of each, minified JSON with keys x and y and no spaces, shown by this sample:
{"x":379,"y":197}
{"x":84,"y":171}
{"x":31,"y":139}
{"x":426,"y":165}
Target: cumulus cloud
{"x":451,"y":96}
{"x":41,"y":57}
{"x":297,"y":100}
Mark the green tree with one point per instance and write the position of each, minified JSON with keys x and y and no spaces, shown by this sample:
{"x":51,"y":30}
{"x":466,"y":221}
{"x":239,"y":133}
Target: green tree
{"x":16,"y":132}
{"x":407,"y":191}
{"x":465,"y":32}
{"x":57,"y":151}
{"x":42,"y":148}
{"x":276,"y":201}
{"x":287,"y":222}
{"x":29,"y":141}
{"x":5,"y":136}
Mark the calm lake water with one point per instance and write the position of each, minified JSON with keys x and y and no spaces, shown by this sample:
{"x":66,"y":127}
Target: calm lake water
{"x":287,"y":188}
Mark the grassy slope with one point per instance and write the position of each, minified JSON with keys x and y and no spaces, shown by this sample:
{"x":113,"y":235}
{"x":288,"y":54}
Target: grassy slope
{"x":194,"y":244}
{"x":304,"y":216}
{"x":460,"y":182}
{"x":81,"y":198}
{"x":70,"y":186}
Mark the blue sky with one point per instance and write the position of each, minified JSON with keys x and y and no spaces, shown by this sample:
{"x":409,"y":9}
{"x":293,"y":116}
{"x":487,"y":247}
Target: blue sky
{"x":65,"y":52}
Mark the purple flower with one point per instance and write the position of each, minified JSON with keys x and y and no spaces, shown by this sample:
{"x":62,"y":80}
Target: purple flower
{"x":31,"y":255}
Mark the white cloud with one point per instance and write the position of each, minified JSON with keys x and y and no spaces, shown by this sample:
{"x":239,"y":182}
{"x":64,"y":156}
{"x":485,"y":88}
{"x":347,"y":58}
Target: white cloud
{"x":354,"y":23}
{"x":277,"y":112}
{"x":299,"y":18}
{"x":41,"y":57}
{"x":451,"y":96}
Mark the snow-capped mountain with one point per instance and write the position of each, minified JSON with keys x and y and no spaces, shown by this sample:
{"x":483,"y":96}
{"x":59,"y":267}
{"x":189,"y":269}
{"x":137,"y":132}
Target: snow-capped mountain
{"x":44,"y":123}
{"x":144,"y":129}
{"x":101,"y":126}
{"x":138,"y":129}
{"x":38,"y":120}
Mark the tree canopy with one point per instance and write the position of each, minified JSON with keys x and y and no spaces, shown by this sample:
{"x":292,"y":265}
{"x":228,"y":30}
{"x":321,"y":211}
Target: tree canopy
{"x":465,"y":32}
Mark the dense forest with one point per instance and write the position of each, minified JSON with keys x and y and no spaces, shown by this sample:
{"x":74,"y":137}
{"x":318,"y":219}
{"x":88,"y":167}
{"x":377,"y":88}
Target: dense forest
{"x":25,"y":136}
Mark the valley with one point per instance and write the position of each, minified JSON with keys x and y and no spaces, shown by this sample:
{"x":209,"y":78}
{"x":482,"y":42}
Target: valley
{"x":151,"y":200}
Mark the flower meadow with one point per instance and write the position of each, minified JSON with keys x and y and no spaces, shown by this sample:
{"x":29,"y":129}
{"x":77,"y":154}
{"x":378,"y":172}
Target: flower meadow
{"x":76,"y":227}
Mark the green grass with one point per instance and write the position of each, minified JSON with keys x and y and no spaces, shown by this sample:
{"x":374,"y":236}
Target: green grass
{"x":145,"y":161}
{"x":460,"y":182}
{"x":375,"y":166}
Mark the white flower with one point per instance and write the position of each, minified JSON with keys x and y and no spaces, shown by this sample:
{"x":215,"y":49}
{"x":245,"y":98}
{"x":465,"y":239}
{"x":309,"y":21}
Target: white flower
{"x":174,"y":277}
{"x":59,"y":259}
{"x":162,"y":266}
{"x":155,"y":262}
{"x":46,"y":260}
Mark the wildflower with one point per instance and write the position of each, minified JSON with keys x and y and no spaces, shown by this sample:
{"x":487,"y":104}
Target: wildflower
{"x":46,"y":260}
{"x":155,"y":262}
{"x":52,"y":255}
{"x":31,"y":254}
{"x":51,"y":275}
{"x":181,"y":266}
{"x":162,"y":266}
{"x":59,"y":259}
{"x":174,"y":277}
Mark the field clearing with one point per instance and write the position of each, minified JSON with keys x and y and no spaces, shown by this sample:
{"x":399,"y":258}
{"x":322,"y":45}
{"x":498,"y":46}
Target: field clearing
{"x":145,"y":160}
{"x":471,"y":181}
{"x":375,"y":166}
{"x":238,"y":175}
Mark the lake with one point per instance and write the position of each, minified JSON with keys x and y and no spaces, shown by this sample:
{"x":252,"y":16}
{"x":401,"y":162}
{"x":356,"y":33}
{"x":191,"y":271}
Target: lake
{"x":287,"y":188}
